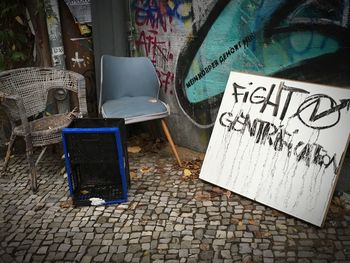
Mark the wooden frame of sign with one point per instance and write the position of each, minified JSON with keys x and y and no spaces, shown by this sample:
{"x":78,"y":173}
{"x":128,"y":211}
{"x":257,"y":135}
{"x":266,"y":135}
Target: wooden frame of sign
{"x":280,"y":142}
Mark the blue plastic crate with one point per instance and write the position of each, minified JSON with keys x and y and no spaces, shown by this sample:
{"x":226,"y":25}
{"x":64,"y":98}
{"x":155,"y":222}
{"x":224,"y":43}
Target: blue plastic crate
{"x":96,"y":161}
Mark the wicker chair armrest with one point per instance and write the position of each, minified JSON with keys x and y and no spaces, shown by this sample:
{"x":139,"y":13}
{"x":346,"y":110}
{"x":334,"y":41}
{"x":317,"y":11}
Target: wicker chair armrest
{"x":5,"y":96}
{"x":20,"y":107}
{"x":81,"y":91}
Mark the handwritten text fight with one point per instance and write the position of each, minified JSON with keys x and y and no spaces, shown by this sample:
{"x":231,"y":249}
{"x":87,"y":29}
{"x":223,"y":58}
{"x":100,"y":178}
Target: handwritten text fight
{"x":316,"y":111}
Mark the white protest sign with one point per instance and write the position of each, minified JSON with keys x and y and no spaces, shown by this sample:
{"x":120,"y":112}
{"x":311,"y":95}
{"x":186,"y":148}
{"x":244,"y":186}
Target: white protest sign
{"x":280,"y":142}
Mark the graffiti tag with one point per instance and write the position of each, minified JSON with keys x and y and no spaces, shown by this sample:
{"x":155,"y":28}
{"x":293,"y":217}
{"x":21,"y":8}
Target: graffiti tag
{"x":230,"y":51}
{"x":333,"y":111}
{"x":160,"y":14}
{"x":77,"y":60}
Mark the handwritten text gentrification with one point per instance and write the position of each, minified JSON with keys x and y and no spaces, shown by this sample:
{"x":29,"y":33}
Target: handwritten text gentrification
{"x":277,"y":136}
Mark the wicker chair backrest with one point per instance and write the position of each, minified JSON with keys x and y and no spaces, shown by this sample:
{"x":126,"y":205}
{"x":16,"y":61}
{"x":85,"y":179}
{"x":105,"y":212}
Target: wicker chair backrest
{"x":33,"y":85}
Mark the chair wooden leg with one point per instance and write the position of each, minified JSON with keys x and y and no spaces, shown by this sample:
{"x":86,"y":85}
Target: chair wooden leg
{"x":32,"y":171}
{"x":41,"y":155}
{"x":8,"y":153}
{"x":31,"y":162}
{"x":171,"y":142}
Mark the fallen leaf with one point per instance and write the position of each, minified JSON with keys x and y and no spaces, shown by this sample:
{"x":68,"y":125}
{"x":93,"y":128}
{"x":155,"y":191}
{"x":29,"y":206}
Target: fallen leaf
{"x":187,"y":173}
{"x":251,"y":222}
{"x":247,"y":259}
{"x":276,"y":213}
{"x":234,"y":221}
{"x":266,"y":234}
{"x":338,"y":202}
{"x":214,"y":194}
{"x":228,"y":194}
{"x":204,"y":246}
{"x":133,"y":206}
{"x":133,"y":175}
{"x":257,"y":234}
{"x":192,"y":169}
{"x":84,"y":192}
{"x":202,"y":196}
{"x":134,"y":149}
{"x":144,"y":169}
{"x":19,"y":20}
{"x":217,"y":190}
{"x":67,"y":204}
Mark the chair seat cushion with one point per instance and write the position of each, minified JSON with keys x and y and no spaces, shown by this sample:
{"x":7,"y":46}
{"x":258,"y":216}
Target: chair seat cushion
{"x":135,"y":109}
{"x":46,"y":130}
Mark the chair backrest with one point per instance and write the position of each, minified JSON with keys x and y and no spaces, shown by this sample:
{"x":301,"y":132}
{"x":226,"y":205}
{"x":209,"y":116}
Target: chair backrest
{"x":33,"y":83}
{"x":127,"y":77}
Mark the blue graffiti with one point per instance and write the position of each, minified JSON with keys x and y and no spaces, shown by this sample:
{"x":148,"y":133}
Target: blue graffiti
{"x":287,"y":36}
{"x":160,"y":13}
{"x":280,"y":51}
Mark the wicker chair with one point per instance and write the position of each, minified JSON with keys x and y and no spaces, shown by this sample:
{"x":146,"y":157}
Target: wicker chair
{"x":24,"y":94}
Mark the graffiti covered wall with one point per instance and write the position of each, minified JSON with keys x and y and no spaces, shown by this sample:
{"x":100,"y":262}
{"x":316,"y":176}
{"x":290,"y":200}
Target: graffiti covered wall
{"x":195,"y":44}
{"x":160,"y":27}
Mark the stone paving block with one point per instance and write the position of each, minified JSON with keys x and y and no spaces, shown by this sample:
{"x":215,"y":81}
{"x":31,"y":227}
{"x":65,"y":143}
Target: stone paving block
{"x":162,"y":222}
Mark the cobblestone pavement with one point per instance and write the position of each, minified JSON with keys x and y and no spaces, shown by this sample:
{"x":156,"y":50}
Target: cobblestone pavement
{"x":167,"y":219}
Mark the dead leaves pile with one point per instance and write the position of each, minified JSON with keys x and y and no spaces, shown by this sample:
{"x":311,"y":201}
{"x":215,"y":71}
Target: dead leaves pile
{"x":337,"y":208}
{"x":67,"y":204}
{"x":144,"y":143}
{"x":134,"y":149}
{"x":136,"y":174}
{"x":191,"y":170}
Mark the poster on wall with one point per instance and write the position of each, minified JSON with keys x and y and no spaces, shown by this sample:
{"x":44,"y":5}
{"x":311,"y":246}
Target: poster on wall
{"x":81,"y":10}
{"x":280,"y":142}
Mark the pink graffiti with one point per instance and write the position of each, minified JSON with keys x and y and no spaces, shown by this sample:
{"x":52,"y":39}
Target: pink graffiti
{"x":166,"y":79}
{"x":154,"y":48}
{"x":153,"y":15}
{"x":153,"y":18}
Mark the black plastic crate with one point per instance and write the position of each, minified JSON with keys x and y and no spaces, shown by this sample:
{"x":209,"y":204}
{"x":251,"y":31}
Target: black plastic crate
{"x":96,"y":161}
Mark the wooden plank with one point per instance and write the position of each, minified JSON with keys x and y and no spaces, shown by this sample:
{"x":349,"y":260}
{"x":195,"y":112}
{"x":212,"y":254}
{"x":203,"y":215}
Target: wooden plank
{"x":79,"y":55}
{"x":280,"y":142}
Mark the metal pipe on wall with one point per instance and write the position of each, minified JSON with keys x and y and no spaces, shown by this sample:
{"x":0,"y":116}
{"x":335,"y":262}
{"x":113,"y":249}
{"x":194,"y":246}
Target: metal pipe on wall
{"x":56,"y":50}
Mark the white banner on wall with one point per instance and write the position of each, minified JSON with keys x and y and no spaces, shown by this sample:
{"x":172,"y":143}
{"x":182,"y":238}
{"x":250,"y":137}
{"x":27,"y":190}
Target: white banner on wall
{"x":280,"y":142}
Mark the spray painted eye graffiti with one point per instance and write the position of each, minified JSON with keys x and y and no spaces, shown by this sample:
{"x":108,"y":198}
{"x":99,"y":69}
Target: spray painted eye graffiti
{"x":266,"y":37}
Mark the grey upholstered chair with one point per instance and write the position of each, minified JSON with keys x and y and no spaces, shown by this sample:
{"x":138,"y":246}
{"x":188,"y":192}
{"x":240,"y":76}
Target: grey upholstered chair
{"x":129,"y":90}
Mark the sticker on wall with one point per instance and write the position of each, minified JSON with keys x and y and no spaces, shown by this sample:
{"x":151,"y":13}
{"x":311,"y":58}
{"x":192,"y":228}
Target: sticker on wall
{"x":280,"y":142}
{"x":57,"y":51}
